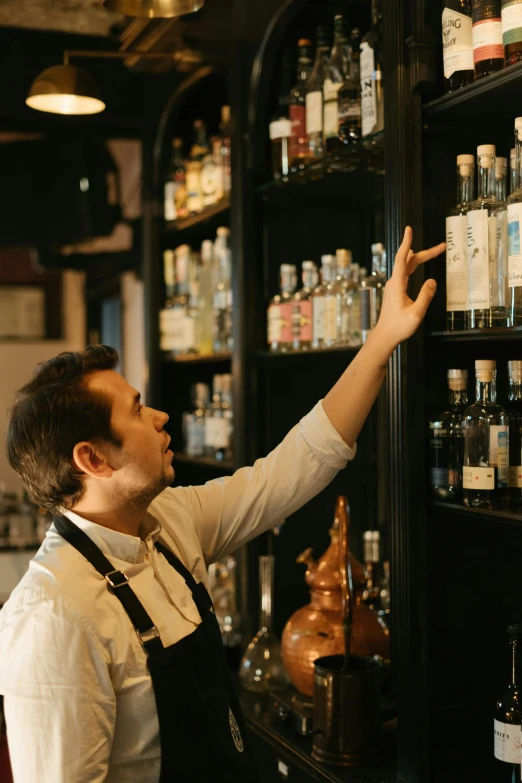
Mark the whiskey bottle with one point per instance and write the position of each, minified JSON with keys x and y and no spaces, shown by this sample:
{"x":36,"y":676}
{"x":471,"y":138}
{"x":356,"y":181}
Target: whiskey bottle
{"x":314,"y":94}
{"x":325,"y":304}
{"x":457,"y":246}
{"x":349,"y":97}
{"x":487,"y":250}
{"x":514,"y":216}
{"x":372,"y":95}
{"x":280,"y":336}
{"x":298,"y":145}
{"x":336,"y":73}
{"x":511,"y":31}
{"x":486,"y":444}
{"x":514,"y":411}
{"x":302,"y":308}
{"x":446,"y":442}
{"x":488,"y":50}
{"x":508,"y":717}
{"x":457,"y":44}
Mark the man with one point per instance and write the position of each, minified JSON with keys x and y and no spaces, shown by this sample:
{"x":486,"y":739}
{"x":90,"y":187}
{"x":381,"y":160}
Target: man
{"x":110,"y":657}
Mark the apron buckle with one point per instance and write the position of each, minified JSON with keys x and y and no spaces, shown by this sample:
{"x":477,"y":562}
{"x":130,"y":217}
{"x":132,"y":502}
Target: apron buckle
{"x":119,"y":580}
{"x":148,"y":635}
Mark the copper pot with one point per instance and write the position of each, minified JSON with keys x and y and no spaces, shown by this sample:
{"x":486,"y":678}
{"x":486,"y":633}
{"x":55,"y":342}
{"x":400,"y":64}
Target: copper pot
{"x":316,"y":630}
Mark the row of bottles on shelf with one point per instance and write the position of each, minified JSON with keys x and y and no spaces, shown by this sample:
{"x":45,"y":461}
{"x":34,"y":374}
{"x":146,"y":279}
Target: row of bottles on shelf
{"x":208,"y":427}
{"x":340,"y":310}
{"x":479,"y":37}
{"x":476,"y":450}
{"x":197,"y":316}
{"x":22,"y":523}
{"x":204,"y":178}
{"x":338,"y":97}
{"x":483,"y":255}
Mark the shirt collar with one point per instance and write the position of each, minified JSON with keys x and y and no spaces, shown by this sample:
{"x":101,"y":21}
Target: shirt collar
{"x":132,"y":549}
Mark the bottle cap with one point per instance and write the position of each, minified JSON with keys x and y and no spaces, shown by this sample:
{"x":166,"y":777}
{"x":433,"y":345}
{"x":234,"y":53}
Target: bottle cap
{"x":304,"y":42}
{"x":458,"y":374}
{"x":308,"y":265}
{"x":486,"y":149}
{"x":378,"y":247}
{"x":512,"y":154}
{"x":327,"y":259}
{"x":344,"y":257}
{"x":458,"y":380}
{"x":177,"y":143}
{"x":515,"y":370}
{"x":225,"y":114}
{"x":518,"y":123}
{"x":223,"y":231}
{"x":324,"y":36}
{"x":207,"y":250}
{"x":287,"y":268}
{"x":485,"y":364}
{"x":500,"y":164}
{"x":465,"y":159}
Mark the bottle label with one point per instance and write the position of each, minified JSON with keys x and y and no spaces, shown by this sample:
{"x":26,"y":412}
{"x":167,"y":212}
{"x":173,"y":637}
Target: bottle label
{"x":349,"y":109}
{"x":478,"y":260}
{"x":274,"y":324}
{"x":457,"y":42}
{"x":285,"y":315}
{"x":194,"y":194}
{"x":280,"y":129}
{"x":216,"y":432}
{"x":368,"y":89}
{"x":302,"y":321}
{"x":170,"y":206}
{"x":514,"y":254}
{"x":515,"y":475}
{"x":456,"y":263}
{"x":487,"y":40}
{"x":330,"y":121}
{"x":314,"y":112}
{"x":507,"y":742}
{"x":478,"y":478}
{"x":440,"y":450}
{"x":298,"y":139}
{"x":330,"y":319}
{"x":318,"y":317}
{"x":511,"y":22}
{"x":209,"y":182}
{"x":439,"y":477}
{"x":499,"y":452}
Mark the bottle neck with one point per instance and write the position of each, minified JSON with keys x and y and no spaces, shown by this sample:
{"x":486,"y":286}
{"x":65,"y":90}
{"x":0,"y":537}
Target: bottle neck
{"x":516,"y":662}
{"x":322,"y":55}
{"x":486,"y":391}
{"x":515,"y":390}
{"x":304,"y":66}
{"x":355,"y":67}
{"x":516,"y":179}
{"x":287,"y":282}
{"x":465,"y":189}
{"x":513,"y":177}
{"x":308,"y":278}
{"x":502,"y":187}
{"x":487,"y":182}
{"x":266,"y":587}
{"x":376,"y":13}
{"x":458,"y":398}
{"x":327,"y":273}
{"x":377,"y":264}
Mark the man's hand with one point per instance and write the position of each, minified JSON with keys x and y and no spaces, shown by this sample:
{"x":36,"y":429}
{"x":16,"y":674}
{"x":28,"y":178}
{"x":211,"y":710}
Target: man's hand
{"x":401,"y":316}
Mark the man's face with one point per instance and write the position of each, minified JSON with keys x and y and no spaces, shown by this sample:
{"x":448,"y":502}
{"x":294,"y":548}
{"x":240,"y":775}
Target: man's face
{"x":143,"y":465}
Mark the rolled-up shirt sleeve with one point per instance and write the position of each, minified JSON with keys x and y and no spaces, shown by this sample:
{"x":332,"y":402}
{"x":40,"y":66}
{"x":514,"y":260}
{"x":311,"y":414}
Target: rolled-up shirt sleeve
{"x":229,"y":512}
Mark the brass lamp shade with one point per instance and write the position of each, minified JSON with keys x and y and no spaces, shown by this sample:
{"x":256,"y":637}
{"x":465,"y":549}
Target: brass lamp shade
{"x":154,"y":9}
{"x":65,"y":89}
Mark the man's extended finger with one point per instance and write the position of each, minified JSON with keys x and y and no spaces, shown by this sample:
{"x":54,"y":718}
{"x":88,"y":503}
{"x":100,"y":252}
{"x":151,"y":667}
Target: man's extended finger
{"x":424,"y":298}
{"x":401,"y":258}
{"x":425,"y":255}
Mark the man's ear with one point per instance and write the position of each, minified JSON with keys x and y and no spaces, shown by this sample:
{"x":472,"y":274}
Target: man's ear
{"x":91,"y":460}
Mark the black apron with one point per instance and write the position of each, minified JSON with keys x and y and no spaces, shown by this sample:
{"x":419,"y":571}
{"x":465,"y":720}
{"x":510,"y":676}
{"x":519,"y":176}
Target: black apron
{"x":202,"y":730}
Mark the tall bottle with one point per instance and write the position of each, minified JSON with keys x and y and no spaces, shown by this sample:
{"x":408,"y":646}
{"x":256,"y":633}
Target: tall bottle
{"x":314,"y":94}
{"x":348,"y":293}
{"x":487,"y":250}
{"x":325,"y":304}
{"x":175,"y":188}
{"x":511,"y":31}
{"x":372,"y":95}
{"x":205,"y":323}
{"x":336,"y":72}
{"x":298,"y":145}
{"x":446,"y":442}
{"x":514,"y":411}
{"x":194,"y":422}
{"x":486,"y":444}
{"x":349,"y":96}
{"x":457,"y":246}
{"x":302,"y":308}
{"x":488,"y":50}
{"x":457,"y":44}
{"x":508,"y":716}
{"x":223,"y":292}
{"x":198,"y":151}
{"x":376,"y":282}
{"x":501,"y":178}
{"x":514,"y":213}
{"x":280,"y":337}
{"x":513,"y":171}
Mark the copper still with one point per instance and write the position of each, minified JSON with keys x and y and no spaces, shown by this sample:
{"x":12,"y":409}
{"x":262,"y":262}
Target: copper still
{"x":316,"y":630}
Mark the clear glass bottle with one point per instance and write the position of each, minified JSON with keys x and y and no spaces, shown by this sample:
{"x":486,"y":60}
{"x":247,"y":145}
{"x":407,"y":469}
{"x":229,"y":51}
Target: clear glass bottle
{"x":336,"y":72}
{"x":215,"y":424}
{"x":511,"y":31}
{"x":514,"y":217}
{"x":314,"y":94}
{"x":298,"y":146}
{"x":486,"y":444}
{"x":446,"y":444}
{"x":198,"y":151}
{"x":372,"y":94}
{"x":175,"y":186}
{"x":487,"y":250}
{"x":513,"y":171}
{"x":508,"y":717}
{"x":349,"y":97}
{"x":488,"y":49}
{"x":376,"y":282}
{"x":302,"y":308}
{"x":223,"y":292}
{"x":457,"y":44}
{"x":346,"y":293}
{"x":325,"y":305}
{"x":225,"y":452}
{"x":194,"y":422}
{"x":212,"y":174}
{"x":457,"y":246}
{"x":205,"y":319}
{"x":224,"y":583}
{"x":501,"y":178}
{"x":514,"y":412}
{"x":279,"y":319}
{"x":167,"y":325}
{"x":261,"y":669}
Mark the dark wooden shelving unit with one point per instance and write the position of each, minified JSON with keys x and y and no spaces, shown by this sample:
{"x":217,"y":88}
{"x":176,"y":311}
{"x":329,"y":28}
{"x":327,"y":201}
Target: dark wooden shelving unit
{"x":175,"y":227}
{"x":508,"y":517}
{"x":477,"y":335}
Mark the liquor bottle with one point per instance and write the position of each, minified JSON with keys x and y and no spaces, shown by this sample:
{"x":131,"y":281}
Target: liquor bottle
{"x":314,"y":94}
{"x":199,"y":150}
{"x":501,"y":178}
{"x":336,"y":72}
{"x":457,"y":44}
{"x":280,"y":132}
{"x":514,"y":411}
{"x":224,"y":451}
{"x":205,"y":320}
{"x":514,"y":211}
{"x":175,"y":188}
{"x":215,"y":424}
{"x":513,"y":171}
{"x":446,"y":442}
{"x":376,"y":282}
{"x":223,"y":292}
{"x":354,"y":303}
{"x":226,"y":149}
{"x":457,"y":246}
{"x":485,"y":474}
{"x":487,"y":250}
{"x":181,"y":302}
{"x":280,"y":337}
{"x":372,"y":570}
{"x":325,"y":304}
{"x":488,"y":51}
{"x":166,"y":325}
{"x":224,"y":590}
{"x":212,"y":174}
{"x":347,"y":293}
{"x":508,"y":716}
{"x":349,"y":97}
{"x":298,"y":148}
{"x":302,"y":308}
{"x":194,"y":422}
{"x":511,"y":31}
{"x":372,"y":95}
{"x":190,"y":321}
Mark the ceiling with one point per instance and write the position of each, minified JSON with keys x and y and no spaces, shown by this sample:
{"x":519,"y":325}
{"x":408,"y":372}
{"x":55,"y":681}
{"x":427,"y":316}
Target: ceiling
{"x":67,"y":16}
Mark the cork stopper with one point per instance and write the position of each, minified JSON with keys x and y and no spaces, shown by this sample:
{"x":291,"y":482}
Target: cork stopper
{"x":344,"y":257}
{"x":485,"y":370}
{"x":486,"y":153}
{"x":515,"y":370}
{"x":458,"y":380}
{"x":465,"y":165}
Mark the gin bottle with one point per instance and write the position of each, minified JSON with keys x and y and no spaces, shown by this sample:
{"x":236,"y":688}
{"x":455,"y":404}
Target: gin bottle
{"x":302,"y":308}
{"x":325,"y":304}
{"x":487,"y":250}
{"x":349,"y":98}
{"x":511,"y":31}
{"x":280,"y":337}
{"x":457,"y":246}
{"x":372,"y":95}
{"x":457,"y":44}
{"x":298,"y":145}
{"x":314,"y":94}
{"x":446,"y":442}
{"x":514,"y":216}
{"x":514,"y":411}
{"x":508,"y":716}
{"x":336,"y":72}
{"x":376,"y":282}
{"x":486,"y":444}
{"x":501,"y":178}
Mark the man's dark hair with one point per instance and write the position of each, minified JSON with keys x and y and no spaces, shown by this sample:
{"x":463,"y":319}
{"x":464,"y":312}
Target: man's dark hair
{"x":53,"y":412}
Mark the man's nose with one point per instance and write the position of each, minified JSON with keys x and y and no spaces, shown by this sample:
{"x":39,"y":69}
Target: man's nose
{"x":160,"y":419}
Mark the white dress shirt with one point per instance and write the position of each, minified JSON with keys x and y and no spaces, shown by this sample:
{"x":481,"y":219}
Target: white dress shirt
{"x":79,"y":702}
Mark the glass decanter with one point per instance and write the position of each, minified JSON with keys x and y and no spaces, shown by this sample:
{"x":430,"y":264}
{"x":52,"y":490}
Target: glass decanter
{"x":261,"y":667}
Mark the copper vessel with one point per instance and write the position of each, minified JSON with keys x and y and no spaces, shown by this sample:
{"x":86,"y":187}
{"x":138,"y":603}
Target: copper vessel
{"x":316,"y":630}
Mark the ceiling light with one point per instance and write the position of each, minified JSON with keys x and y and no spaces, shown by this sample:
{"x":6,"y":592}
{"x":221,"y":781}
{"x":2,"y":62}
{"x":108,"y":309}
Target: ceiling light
{"x":154,"y":9}
{"x":65,"y":89}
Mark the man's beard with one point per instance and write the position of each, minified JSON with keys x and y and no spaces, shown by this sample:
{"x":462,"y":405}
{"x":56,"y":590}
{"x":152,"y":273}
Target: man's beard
{"x":142,"y":496}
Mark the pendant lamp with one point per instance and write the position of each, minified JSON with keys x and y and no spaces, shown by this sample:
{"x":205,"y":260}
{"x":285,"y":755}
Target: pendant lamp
{"x":154,"y":9}
{"x":65,"y":89}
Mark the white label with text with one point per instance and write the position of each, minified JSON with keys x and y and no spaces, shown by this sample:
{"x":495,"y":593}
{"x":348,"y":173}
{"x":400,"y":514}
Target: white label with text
{"x":514,"y":254}
{"x":478,"y":260}
{"x":457,"y":42}
{"x":507,"y":742}
{"x":478,"y":478}
{"x":456,"y":263}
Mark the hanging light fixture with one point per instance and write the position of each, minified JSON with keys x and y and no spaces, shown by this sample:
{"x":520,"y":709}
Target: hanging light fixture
{"x":65,"y":89}
{"x":154,"y":9}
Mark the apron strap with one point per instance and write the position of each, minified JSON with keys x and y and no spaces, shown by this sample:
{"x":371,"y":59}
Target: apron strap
{"x":117,"y":582}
